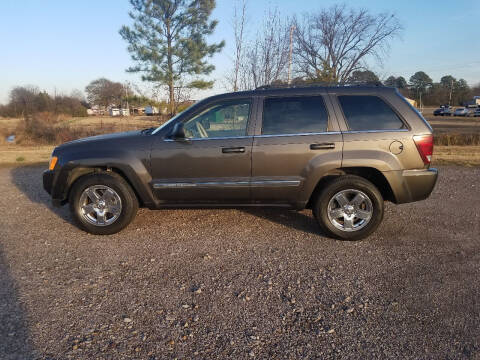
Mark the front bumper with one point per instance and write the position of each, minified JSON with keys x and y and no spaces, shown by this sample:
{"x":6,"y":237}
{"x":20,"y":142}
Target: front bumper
{"x":49,"y":178}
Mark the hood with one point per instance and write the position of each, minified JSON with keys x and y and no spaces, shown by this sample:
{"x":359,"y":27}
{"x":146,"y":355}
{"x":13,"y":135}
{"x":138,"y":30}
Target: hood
{"x":104,"y":138}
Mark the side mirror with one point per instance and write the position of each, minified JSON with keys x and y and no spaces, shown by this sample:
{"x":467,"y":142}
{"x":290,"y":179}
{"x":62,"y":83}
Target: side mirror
{"x":178,"y":132}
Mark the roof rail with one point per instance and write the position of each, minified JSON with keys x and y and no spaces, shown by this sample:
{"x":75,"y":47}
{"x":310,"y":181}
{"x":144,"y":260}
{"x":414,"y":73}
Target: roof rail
{"x":320,"y":84}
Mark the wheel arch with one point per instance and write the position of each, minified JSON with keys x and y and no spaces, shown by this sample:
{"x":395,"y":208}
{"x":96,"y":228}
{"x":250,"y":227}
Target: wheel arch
{"x":78,"y":172}
{"x":371,"y":174}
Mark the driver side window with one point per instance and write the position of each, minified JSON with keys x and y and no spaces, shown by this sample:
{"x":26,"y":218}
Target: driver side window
{"x":225,"y":119}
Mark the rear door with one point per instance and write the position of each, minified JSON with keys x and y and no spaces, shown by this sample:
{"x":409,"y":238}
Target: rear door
{"x":296,"y":140}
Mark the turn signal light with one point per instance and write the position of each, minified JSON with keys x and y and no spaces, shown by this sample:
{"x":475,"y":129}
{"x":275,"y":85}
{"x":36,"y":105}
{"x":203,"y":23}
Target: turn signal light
{"x":425,"y":147}
{"x":53,"y":162}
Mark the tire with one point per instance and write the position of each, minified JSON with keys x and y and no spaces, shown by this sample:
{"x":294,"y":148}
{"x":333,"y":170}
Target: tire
{"x":369,"y":207}
{"x":114,"y":208}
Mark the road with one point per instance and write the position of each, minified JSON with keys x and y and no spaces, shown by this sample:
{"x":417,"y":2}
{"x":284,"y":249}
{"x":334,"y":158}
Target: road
{"x":240,"y":284}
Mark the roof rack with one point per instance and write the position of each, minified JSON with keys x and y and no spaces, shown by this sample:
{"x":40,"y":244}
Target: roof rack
{"x":320,"y":84}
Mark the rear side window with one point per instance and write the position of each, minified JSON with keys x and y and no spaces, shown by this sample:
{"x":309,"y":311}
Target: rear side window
{"x":294,"y":115}
{"x":363,"y":112}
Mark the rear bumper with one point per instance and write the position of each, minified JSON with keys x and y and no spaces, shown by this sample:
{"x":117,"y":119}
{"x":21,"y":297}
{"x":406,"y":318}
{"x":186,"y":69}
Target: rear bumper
{"x":412,"y":185}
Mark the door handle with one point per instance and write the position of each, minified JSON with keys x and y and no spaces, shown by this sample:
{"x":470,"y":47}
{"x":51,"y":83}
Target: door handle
{"x":322,"y":146}
{"x":231,"y":150}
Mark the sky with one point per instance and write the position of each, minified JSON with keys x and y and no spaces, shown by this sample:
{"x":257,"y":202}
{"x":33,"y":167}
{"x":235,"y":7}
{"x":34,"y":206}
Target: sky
{"x":61,"y":45}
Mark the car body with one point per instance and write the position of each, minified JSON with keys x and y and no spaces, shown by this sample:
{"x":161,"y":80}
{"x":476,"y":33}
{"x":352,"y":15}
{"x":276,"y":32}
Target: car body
{"x":443,"y":111}
{"x":461,"y":112}
{"x":476,"y":112}
{"x":287,"y":147}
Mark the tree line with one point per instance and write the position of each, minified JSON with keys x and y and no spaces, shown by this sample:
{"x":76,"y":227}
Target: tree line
{"x":27,"y":100}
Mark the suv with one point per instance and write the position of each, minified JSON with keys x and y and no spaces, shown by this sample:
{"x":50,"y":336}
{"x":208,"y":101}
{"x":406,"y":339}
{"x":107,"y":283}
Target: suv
{"x":340,"y":151}
{"x":443,"y":110}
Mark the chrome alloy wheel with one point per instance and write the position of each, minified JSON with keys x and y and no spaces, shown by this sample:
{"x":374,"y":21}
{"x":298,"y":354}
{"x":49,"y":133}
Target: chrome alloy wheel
{"x":350,"y":210}
{"x":100,"y":205}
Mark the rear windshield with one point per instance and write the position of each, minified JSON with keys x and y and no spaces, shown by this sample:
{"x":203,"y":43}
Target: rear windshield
{"x":367,"y":112}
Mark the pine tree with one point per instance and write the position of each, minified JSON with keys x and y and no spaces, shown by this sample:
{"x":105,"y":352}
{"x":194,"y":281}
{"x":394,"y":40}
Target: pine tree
{"x":167,"y":42}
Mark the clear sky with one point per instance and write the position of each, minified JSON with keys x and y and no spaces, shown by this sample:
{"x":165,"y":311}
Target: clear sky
{"x":62,"y":45}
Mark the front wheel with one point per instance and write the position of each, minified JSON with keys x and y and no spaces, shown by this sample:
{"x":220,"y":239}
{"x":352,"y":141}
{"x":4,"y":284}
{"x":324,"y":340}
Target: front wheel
{"x":102,"y":203}
{"x":349,"y":208}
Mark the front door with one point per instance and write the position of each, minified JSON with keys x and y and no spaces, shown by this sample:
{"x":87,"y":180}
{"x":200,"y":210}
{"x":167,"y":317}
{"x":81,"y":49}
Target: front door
{"x":213,"y":163}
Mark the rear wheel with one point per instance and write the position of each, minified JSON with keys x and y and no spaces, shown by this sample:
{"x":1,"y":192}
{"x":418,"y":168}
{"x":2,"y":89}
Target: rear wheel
{"x":102,"y":203}
{"x":349,"y":208}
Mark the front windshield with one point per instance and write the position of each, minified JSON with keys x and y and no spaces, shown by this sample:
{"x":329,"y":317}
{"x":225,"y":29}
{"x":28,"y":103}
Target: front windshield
{"x":166,"y":123}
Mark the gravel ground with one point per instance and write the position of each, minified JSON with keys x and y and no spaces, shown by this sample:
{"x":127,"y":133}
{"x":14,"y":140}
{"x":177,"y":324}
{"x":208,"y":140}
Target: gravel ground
{"x":241,"y":284}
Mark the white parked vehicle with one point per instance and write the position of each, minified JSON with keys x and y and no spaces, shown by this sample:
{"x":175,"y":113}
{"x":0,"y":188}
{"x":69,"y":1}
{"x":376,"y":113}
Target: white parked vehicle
{"x":151,"y":110}
{"x":461,"y":112}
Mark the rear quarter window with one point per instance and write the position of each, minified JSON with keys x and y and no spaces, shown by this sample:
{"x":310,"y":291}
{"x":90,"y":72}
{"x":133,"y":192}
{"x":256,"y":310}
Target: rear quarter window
{"x":368,"y":112}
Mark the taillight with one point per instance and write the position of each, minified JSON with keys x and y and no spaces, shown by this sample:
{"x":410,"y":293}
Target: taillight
{"x":425,"y":147}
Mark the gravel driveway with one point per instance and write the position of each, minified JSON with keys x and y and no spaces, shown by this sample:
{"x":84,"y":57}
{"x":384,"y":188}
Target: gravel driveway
{"x":240,"y":284}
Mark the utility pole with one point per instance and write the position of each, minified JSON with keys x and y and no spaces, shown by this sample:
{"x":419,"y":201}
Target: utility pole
{"x":450,"y":99}
{"x":126,"y":96}
{"x":292,"y":28}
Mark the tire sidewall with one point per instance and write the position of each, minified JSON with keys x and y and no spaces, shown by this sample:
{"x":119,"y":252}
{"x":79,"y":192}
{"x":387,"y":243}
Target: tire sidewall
{"x":343,"y":183}
{"x":128,"y":198}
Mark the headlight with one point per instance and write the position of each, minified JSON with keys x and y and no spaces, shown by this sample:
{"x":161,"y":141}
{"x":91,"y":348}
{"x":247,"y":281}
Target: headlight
{"x":53,"y":162}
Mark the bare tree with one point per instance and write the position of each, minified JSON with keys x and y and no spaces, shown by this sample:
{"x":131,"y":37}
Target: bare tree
{"x":104,"y":92}
{"x":266,"y":58}
{"x":23,"y":98}
{"x":332,"y":44}
{"x":238,"y":22}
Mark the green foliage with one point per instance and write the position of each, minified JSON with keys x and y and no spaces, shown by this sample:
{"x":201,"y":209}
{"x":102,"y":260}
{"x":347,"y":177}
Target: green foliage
{"x":420,"y":82}
{"x":447,"y":81}
{"x":138,"y":100}
{"x":201,"y":84}
{"x":398,"y":82}
{"x":363,"y":76}
{"x":168,"y":40}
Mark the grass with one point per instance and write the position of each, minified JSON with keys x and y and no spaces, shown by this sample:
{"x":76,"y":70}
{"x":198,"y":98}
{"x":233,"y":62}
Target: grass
{"x":458,"y":155}
{"x":11,"y":155}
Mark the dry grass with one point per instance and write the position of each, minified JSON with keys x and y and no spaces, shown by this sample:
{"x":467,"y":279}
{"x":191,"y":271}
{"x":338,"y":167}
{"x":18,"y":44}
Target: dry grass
{"x":11,"y":155}
{"x":460,"y":155}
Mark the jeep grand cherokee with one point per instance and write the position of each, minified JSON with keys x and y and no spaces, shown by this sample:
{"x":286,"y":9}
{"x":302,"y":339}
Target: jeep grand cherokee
{"x":340,"y":151}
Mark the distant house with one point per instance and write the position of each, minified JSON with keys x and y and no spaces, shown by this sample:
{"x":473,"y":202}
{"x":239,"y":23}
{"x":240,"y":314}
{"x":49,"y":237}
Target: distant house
{"x":137,"y":110}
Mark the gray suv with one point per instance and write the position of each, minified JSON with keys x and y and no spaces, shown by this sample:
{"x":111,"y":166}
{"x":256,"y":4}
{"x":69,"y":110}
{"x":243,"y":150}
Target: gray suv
{"x":340,"y":151}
